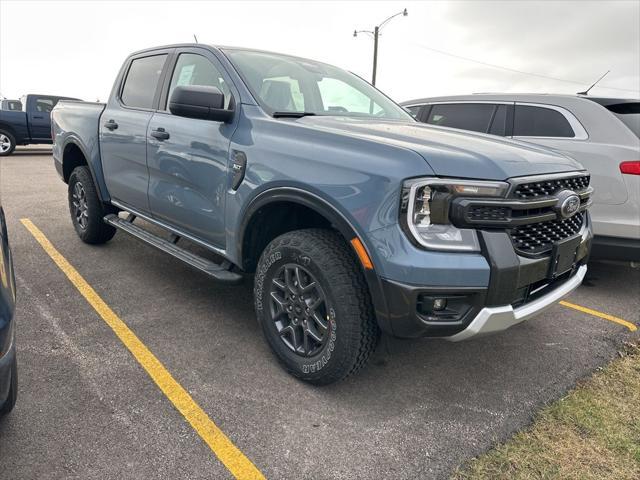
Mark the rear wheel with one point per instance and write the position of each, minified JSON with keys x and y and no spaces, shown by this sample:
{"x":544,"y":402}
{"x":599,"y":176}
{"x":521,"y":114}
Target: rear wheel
{"x":314,"y":306}
{"x":10,"y":402}
{"x":7,"y":143}
{"x":87,"y":211}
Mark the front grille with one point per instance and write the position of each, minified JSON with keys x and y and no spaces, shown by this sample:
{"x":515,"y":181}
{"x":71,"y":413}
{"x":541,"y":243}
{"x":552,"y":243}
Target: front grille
{"x":489,"y":213}
{"x":537,"y":238}
{"x":545,"y":188}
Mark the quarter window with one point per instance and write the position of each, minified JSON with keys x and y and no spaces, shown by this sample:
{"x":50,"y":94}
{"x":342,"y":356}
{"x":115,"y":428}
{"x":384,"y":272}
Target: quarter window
{"x":194,"y":69}
{"x":629,"y":114}
{"x":532,"y":121}
{"x":499,"y":123}
{"x":414,"y":110}
{"x":142,"y":80}
{"x":466,"y":116}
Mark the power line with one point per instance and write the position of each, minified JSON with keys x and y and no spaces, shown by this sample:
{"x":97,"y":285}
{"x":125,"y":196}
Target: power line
{"x":500,"y":67}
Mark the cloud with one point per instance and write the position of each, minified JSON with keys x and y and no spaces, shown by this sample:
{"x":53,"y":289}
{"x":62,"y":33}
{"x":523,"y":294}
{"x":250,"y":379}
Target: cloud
{"x":567,"y":39}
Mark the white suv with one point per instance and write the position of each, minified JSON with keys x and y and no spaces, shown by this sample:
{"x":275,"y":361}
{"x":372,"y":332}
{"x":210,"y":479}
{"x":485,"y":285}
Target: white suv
{"x":601,"y":133}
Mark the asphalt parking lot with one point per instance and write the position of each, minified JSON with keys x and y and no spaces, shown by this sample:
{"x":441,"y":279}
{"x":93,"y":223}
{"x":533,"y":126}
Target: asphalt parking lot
{"x":86,"y":408}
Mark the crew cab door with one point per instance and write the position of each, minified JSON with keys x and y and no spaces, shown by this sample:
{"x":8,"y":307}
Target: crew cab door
{"x":123,"y":128}
{"x":188,"y":157}
{"x":39,"y":115}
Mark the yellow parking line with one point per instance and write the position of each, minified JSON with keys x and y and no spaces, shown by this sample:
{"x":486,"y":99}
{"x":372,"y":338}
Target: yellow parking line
{"x":232,"y":458}
{"x":598,"y":314}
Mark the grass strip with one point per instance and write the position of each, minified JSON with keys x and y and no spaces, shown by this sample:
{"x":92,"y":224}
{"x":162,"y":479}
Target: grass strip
{"x":591,"y":433}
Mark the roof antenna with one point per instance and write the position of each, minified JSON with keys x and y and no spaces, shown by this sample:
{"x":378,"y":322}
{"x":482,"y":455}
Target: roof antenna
{"x":586,"y":92}
{"x":196,"y":39}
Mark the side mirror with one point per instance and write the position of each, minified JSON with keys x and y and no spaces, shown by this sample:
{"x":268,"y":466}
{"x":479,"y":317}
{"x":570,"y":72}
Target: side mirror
{"x":196,"y":101}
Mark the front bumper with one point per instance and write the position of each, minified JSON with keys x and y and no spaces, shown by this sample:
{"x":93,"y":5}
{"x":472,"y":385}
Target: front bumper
{"x":495,"y":319}
{"x":518,"y":288}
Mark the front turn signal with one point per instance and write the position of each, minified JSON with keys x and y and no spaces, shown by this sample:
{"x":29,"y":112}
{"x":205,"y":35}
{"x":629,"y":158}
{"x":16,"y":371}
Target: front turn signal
{"x":362,"y":253}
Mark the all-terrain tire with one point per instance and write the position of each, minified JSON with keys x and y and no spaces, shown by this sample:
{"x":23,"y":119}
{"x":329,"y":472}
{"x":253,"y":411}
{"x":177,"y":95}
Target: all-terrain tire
{"x":87,"y":211}
{"x":350,"y":333}
{"x":7,"y":143}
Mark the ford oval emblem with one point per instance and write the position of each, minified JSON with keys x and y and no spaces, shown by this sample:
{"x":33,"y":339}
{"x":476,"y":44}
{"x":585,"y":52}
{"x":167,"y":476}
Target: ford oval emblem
{"x":568,"y":204}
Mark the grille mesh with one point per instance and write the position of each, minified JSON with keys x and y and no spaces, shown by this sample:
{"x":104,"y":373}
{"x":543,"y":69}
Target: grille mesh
{"x":489,"y":212}
{"x":539,"y":237}
{"x":545,"y":188}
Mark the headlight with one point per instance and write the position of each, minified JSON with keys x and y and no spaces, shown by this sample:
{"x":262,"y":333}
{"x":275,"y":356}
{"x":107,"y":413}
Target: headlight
{"x":425,"y":211}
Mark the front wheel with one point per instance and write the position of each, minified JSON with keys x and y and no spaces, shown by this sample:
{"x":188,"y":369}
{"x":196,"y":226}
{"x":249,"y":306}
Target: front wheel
{"x":314,"y":307}
{"x":87,"y":211}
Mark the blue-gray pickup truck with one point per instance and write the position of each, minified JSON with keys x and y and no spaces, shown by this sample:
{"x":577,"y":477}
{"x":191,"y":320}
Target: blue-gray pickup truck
{"x":28,"y":126}
{"x":353,"y":218}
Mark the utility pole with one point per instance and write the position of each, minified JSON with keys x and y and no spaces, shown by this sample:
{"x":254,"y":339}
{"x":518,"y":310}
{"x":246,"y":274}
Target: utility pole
{"x":376,"y":33}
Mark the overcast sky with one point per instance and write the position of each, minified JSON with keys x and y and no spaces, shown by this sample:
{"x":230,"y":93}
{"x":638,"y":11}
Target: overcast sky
{"x":75,"y":48}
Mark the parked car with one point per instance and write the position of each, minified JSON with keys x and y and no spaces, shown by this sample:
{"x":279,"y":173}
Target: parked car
{"x":353,"y":217}
{"x":33,"y":125}
{"x":8,"y":362}
{"x":6,"y":104}
{"x":603,"y":134}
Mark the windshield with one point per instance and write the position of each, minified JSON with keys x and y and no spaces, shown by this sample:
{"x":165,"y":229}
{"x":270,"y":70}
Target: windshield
{"x":284,"y":84}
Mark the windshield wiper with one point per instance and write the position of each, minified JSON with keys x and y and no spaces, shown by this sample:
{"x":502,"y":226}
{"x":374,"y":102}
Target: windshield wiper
{"x":292,"y":114}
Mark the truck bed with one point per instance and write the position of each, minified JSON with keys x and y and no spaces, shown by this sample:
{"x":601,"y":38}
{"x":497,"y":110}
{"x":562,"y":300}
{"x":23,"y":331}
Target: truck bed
{"x":76,"y":124}
{"x":15,"y":121}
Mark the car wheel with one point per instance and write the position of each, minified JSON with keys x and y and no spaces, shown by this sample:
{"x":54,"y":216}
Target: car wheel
{"x":10,"y":402}
{"x":87,"y":211}
{"x":314,"y":307}
{"x":7,"y":143}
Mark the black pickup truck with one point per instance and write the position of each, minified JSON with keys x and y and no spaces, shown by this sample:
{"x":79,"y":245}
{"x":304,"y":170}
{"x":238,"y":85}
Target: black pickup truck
{"x":32,"y":124}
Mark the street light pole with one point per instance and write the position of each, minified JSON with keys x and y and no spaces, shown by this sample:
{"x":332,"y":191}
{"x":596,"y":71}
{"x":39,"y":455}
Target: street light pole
{"x":376,"y":34}
{"x":375,"y":55}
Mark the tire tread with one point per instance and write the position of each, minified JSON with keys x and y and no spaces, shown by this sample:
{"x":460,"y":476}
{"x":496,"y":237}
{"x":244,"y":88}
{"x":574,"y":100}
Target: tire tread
{"x":350,"y":291}
{"x":97,"y":231}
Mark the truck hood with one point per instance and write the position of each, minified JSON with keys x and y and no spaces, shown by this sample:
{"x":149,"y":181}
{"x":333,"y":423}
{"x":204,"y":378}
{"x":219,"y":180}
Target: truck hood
{"x":449,"y":152}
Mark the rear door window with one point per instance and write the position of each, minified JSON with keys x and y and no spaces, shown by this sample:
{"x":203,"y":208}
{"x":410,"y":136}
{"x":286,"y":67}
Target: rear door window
{"x":466,"y":116}
{"x":141,"y":83}
{"x":530,"y":121}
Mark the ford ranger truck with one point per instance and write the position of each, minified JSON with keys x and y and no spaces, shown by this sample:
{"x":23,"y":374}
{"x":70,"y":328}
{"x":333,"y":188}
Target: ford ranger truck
{"x":353,"y":218}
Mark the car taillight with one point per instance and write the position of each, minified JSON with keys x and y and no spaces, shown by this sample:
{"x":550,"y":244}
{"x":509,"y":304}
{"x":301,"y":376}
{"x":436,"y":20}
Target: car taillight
{"x":630,"y":168}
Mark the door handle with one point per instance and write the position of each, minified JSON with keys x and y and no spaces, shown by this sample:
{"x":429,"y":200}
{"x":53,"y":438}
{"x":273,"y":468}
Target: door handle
{"x":160,"y":134}
{"x":111,"y":125}
{"x":40,"y":117}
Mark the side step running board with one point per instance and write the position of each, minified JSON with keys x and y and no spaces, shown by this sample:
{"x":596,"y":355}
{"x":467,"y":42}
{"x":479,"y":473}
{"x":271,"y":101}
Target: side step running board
{"x":218,"y":271}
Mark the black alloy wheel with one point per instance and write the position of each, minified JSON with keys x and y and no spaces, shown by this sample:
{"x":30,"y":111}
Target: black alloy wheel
{"x":299,"y":310}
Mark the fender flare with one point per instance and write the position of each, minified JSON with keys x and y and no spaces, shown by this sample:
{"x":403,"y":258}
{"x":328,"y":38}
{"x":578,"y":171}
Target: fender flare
{"x":337,"y":219}
{"x":71,"y":140}
{"x":7,"y":127}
